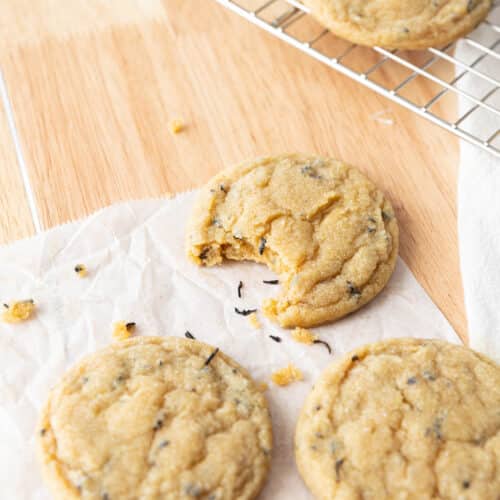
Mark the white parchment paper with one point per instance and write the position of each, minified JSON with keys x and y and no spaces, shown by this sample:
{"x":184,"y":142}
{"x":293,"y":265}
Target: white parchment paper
{"x":478,"y":186}
{"x":138,"y":272}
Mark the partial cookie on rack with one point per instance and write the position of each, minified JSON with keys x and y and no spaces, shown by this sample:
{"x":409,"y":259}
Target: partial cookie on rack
{"x":155,"y":417}
{"x":400,"y":24}
{"x":403,"y":418}
{"x":320,"y":224}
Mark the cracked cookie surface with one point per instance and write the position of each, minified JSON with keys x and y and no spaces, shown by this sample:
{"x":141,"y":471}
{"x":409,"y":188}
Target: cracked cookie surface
{"x":400,"y":24}
{"x":403,"y":418}
{"x":155,"y":418}
{"x":320,"y":224}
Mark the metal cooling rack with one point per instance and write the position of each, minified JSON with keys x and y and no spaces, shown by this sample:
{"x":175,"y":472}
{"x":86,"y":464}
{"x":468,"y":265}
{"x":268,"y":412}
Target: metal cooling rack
{"x":398,"y":74}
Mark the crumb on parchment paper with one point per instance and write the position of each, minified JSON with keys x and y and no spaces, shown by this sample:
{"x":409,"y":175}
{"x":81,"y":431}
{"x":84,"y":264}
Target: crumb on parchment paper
{"x":303,"y":336}
{"x":254,"y":321}
{"x":81,"y":270}
{"x":123,"y":330}
{"x":18,"y":311}
{"x":287,"y":375}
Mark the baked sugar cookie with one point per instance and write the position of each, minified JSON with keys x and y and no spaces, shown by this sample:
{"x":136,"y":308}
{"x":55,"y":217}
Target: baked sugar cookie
{"x":408,"y":418}
{"x":400,"y":24}
{"x":155,"y":418}
{"x":320,"y":224}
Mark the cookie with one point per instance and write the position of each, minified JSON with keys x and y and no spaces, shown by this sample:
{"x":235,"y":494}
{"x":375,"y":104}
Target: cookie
{"x":407,"y":418}
{"x":155,"y":418}
{"x":320,"y":224}
{"x":400,"y":24}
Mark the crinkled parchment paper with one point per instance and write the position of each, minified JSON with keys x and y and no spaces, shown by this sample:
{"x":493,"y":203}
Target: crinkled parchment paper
{"x":137,"y":272}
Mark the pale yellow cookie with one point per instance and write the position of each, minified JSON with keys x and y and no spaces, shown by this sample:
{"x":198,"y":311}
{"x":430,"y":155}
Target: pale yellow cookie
{"x":155,"y":418}
{"x":400,"y":24}
{"x":408,"y":418}
{"x":320,"y":224}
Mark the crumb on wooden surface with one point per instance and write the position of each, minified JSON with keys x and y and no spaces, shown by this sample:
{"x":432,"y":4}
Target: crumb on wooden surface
{"x":18,"y":311}
{"x":287,"y":375}
{"x":176,"y":125}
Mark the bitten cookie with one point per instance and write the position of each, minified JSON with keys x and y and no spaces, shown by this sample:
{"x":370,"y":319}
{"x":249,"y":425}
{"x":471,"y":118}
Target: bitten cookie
{"x":400,"y":24}
{"x":407,"y":418}
{"x":155,"y":418}
{"x":320,"y":224}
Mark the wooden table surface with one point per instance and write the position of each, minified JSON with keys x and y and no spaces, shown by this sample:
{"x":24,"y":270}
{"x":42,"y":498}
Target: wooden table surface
{"x":89,"y":87}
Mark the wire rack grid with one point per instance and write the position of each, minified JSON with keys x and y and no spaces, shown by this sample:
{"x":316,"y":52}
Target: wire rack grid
{"x":426,"y":82}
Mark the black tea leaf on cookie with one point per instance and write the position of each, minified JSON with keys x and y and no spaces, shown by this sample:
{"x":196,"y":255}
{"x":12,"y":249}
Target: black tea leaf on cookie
{"x":352,"y":289}
{"x":386,"y":216}
{"x":271,"y":282}
{"x":240,"y":286}
{"x":212,"y":356}
{"x":158,"y":425}
{"x":338,"y":466}
{"x":204,"y":253}
{"x":275,"y":338}
{"x":189,"y":335}
{"x":262,"y":245}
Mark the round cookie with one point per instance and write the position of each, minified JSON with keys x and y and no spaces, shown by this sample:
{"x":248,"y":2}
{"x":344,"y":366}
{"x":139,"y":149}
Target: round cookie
{"x":400,"y":24}
{"x":407,"y":418}
{"x":320,"y":224}
{"x":155,"y":418}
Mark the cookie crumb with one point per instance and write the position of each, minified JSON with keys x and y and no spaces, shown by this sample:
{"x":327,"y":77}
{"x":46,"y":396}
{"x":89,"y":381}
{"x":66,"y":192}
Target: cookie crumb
{"x":254,"y":321}
{"x":262,"y":387}
{"x":122,"y":330}
{"x":18,"y":311}
{"x":81,"y":270}
{"x":287,"y":375}
{"x":176,"y":125}
{"x":303,"y":336}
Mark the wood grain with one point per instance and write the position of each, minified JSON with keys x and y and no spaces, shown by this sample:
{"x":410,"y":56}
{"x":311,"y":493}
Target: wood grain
{"x":15,"y":221}
{"x":93,"y":106}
